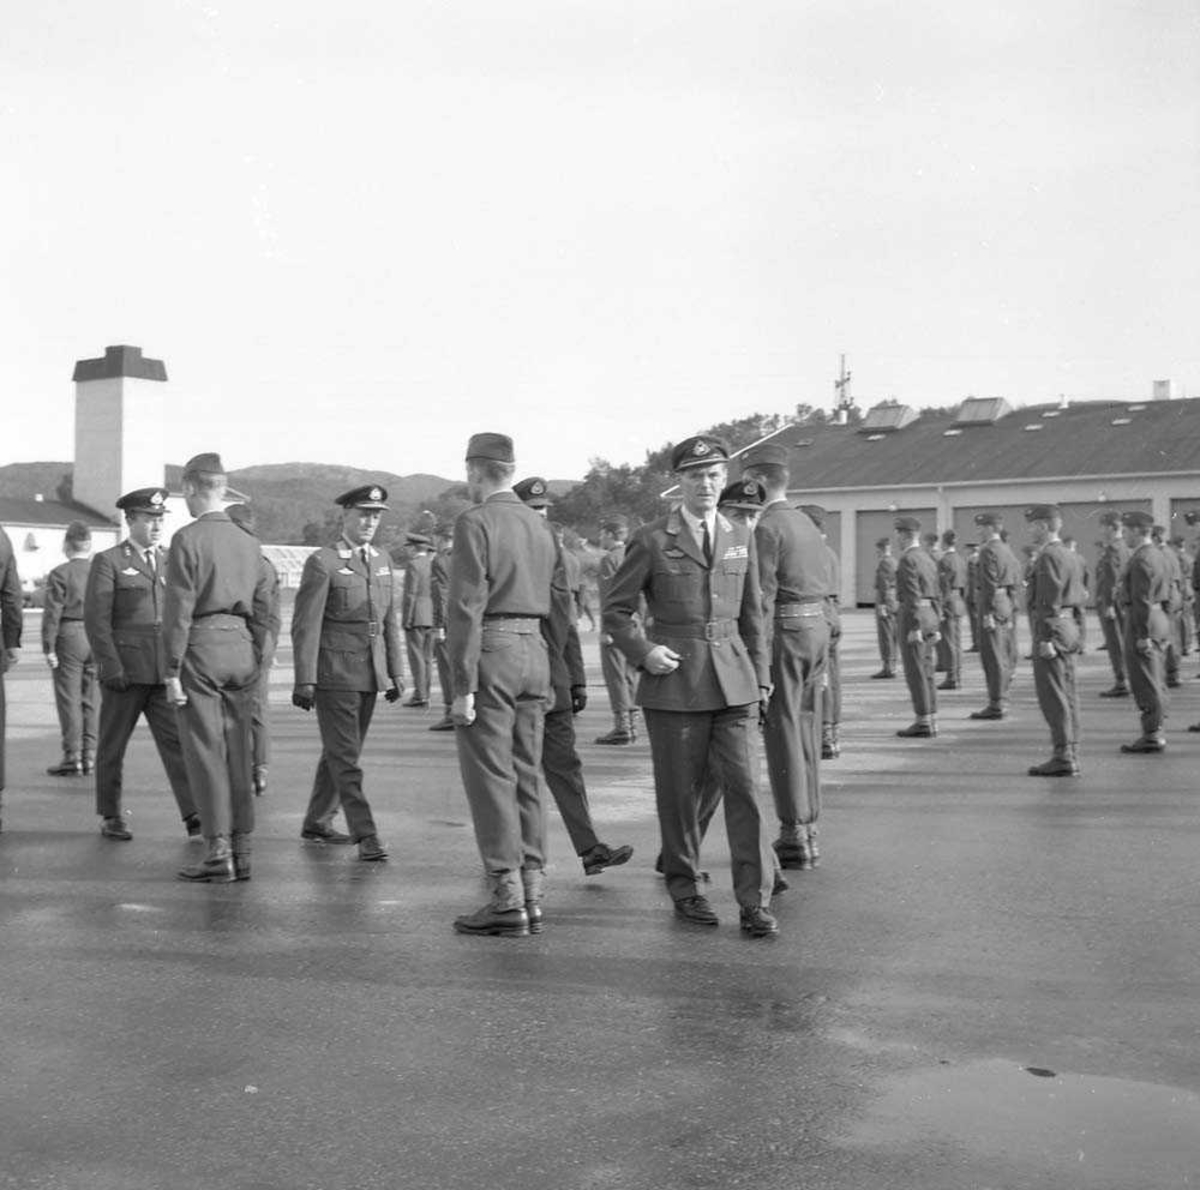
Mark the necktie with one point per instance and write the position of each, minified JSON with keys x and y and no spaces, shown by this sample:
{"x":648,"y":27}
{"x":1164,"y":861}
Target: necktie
{"x":707,"y":546}
{"x":150,"y":560}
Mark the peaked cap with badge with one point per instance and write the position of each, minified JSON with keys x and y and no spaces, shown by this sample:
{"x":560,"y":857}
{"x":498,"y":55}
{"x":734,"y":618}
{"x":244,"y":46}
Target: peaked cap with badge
{"x":370,"y":498}
{"x":151,"y":500}
{"x":702,"y":450}
{"x":746,"y":494}
{"x":534,"y":491}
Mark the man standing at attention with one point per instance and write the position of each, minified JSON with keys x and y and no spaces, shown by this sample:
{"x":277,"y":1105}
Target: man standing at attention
{"x":11,"y":613}
{"x":346,"y":645}
{"x":439,"y":589}
{"x":885,"y":608}
{"x":416,"y":616}
{"x":793,"y":575}
{"x":917,"y":592}
{"x":999,"y":578}
{"x":1146,"y":593}
{"x":1057,"y":589}
{"x":215,"y":623}
{"x":69,"y":656}
{"x":1109,"y":568}
{"x":831,"y":699}
{"x":123,"y":611}
{"x":705,"y":673}
{"x":952,"y":586}
{"x":618,"y":673}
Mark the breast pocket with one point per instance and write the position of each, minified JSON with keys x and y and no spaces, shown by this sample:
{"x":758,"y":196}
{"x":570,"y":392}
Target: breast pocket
{"x":677,"y":584}
{"x":347,"y":594}
{"x":131,"y":595}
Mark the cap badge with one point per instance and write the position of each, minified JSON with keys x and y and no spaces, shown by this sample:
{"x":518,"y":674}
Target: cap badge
{"x":538,"y":488}
{"x":376,"y":494}
{"x":701,"y":448}
{"x":749,"y":488}
{"x":156,"y":498}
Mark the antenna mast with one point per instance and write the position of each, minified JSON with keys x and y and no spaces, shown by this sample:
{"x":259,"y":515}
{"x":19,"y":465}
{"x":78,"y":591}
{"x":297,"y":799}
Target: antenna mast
{"x":843,"y":401}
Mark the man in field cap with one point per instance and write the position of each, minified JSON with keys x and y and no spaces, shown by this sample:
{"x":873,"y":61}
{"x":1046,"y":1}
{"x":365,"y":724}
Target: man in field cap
{"x":917,"y":623}
{"x":999,"y":581}
{"x":1146,"y":592}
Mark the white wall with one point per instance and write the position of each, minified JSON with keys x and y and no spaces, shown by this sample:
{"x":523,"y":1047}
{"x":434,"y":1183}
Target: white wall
{"x":47,"y":541}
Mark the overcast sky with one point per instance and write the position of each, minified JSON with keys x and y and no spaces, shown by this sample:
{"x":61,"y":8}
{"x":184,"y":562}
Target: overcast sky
{"x":359,"y":231}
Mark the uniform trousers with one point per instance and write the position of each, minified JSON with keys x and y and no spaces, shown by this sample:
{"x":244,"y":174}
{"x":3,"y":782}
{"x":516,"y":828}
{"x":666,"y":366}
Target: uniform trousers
{"x":997,"y":649}
{"x":119,"y":713}
{"x":419,"y":642}
{"x":1113,"y":629}
{"x":500,"y":753}
{"x":564,"y":775}
{"x":619,"y":678}
{"x":1147,"y":682}
{"x":218,"y":675}
{"x":1187,"y":625}
{"x":75,"y":690}
{"x":831,"y":701}
{"x":3,"y":718}
{"x":260,"y":727}
{"x":344,"y":717}
{"x":951,"y":630}
{"x":441,"y":654}
{"x":919,"y":659}
{"x":885,"y":630}
{"x":793,"y":741}
{"x":973,"y":622}
{"x":1174,"y":643}
{"x":683,"y":745}
{"x":1058,"y":697}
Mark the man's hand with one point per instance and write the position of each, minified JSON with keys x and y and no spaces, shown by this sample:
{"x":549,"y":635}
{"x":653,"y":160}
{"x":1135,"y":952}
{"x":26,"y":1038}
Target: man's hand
{"x":393,"y":692}
{"x":1046,"y":650}
{"x":606,"y":638}
{"x":439,"y":634}
{"x":934,"y":637}
{"x":52,"y":659}
{"x":117,"y":682}
{"x":1144,"y":646}
{"x":304,"y":696}
{"x":8,"y":659}
{"x":462,"y":710}
{"x":914,"y":637}
{"x":764,"y":700}
{"x":1110,"y":613}
{"x":578,"y":699}
{"x":882,"y":612}
{"x":175,"y":694}
{"x":989,"y":621}
{"x":661,"y":660}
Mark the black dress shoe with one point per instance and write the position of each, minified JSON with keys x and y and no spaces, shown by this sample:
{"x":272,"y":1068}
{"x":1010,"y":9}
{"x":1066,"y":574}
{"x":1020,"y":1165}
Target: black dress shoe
{"x":218,"y":870}
{"x":445,"y":723}
{"x":758,"y":923}
{"x":1117,"y":691}
{"x":884,"y":673}
{"x":989,"y":713}
{"x":791,"y":855}
{"x":1194,"y":727}
{"x":602,"y":856}
{"x":616,"y":736}
{"x":1056,"y":766}
{"x":191,"y":824}
{"x":371,"y":849}
{"x":917,"y":731}
{"x":66,"y":768}
{"x":318,"y":832}
{"x":1147,"y":743}
{"x":697,"y":910}
{"x":947,"y":685}
{"x":115,"y":828}
{"x":781,"y":884}
{"x":495,"y":923}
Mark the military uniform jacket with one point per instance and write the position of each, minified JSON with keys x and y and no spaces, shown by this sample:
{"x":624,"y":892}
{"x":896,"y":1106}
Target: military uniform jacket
{"x":973,"y":580}
{"x":10,"y":597}
{"x":213,"y":569}
{"x":952,"y":582}
{"x":1057,"y":585}
{"x":505,"y":563}
{"x":1146,"y":592}
{"x":792,"y":561}
{"x":417,"y":602}
{"x":65,"y":587}
{"x":885,"y":583}
{"x":607,"y":569}
{"x":1109,"y":568}
{"x":439,"y":586}
{"x":917,"y":590}
{"x":710,"y":615}
{"x":345,"y":632}
{"x":123,"y":614}
{"x":1175,"y":573}
{"x":999,"y":579}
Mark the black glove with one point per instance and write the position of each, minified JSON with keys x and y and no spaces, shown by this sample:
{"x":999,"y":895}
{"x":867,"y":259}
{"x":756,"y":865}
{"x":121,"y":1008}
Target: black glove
{"x":392,"y":694}
{"x":304,"y":697}
{"x":578,"y":699}
{"x":119,"y":683}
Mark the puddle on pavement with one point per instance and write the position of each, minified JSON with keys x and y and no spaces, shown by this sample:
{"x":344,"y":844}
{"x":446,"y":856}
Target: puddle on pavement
{"x":1108,"y":1128}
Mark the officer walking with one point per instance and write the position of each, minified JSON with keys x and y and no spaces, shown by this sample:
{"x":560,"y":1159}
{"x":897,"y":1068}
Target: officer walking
{"x":1146,"y":594}
{"x":1056,"y":591}
{"x":123,"y":610}
{"x":346,"y":645}
{"x":11,"y":613}
{"x":793,"y":571}
{"x":705,"y":672}
{"x":215,"y":624}
{"x":505,"y":572}
{"x":560,"y":758}
{"x":619,"y":674}
{"x":1109,"y":568}
{"x":886,"y":607}
{"x":416,"y":616}
{"x":439,"y":590}
{"x":917,"y":592}
{"x":999,"y":579}
{"x":952,"y":585}
{"x":65,"y":644}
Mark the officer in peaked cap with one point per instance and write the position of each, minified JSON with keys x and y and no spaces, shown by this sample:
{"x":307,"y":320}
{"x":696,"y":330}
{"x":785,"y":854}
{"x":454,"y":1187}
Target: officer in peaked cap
{"x":122,"y":613}
{"x":346,"y":641}
{"x":216,"y":617}
{"x":999,"y":581}
{"x":886,"y":607}
{"x":1057,"y":589}
{"x":831,"y":701}
{"x":1109,"y":566}
{"x":705,"y":672}
{"x":917,"y":623}
{"x":505,"y":572}
{"x":1146,"y":592}
{"x":69,"y":655}
{"x":742,"y":500}
{"x":416,"y":615}
{"x":534,"y":492}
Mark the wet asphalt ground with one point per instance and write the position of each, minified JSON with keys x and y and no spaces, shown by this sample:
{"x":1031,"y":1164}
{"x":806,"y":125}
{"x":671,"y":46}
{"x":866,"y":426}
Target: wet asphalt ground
{"x":989,"y":982}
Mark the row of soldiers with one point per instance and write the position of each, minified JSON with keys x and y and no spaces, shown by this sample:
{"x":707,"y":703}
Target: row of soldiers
{"x":1140,"y":596}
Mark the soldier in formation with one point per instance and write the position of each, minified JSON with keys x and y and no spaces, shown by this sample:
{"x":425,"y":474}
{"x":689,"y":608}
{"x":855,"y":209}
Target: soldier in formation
{"x":999,"y":583}
{"x":886,"y":607}
{"x":952,"y":586}
{"x":918,"y":620}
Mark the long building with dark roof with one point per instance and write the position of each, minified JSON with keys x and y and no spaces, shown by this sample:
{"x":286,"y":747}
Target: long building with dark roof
{"x":945,"y":466}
